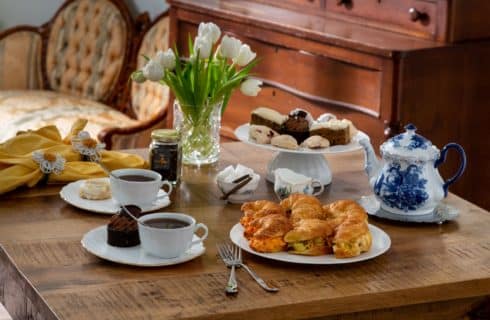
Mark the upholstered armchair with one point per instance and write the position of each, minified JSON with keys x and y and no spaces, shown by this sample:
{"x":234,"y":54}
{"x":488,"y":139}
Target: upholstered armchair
{"x":148,"y":101}
{"x":77,"y":66}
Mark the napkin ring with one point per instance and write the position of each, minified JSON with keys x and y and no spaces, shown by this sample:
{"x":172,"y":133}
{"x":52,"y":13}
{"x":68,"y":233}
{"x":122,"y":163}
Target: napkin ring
{"x":48,"y":163}
{"x":86,"y":146}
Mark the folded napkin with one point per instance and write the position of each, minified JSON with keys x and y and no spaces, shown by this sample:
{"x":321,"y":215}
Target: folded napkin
{"x":20,"y":164}
{"x":225,"y":179}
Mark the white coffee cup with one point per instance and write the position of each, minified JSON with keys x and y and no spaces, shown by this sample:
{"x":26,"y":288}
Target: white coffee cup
{"x":169,"y":243}
{"x":140,"y":193}
{"x":287,"y":182}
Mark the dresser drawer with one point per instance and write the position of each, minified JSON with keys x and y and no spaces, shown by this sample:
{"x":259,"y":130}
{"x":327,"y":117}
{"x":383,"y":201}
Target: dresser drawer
{"x":319,"y":77}
{"x":411,"y":16}
{"x":296,"y":4}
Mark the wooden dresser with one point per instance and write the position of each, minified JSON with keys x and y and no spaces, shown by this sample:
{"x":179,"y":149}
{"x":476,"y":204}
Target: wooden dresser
{"x":381,"y":63}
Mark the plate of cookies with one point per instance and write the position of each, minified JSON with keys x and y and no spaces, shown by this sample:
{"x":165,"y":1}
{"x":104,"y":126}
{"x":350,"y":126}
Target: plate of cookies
{"x":95,"y":195}
{"x":298,"y":132}
{"x":300,"y":229}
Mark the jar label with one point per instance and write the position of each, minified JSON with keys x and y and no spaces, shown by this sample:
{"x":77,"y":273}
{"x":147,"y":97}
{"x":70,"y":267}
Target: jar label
{"x":165,"y":160}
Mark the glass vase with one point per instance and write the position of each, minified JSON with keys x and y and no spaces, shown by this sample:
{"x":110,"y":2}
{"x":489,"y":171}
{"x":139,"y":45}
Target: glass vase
{"x":199,"y":128}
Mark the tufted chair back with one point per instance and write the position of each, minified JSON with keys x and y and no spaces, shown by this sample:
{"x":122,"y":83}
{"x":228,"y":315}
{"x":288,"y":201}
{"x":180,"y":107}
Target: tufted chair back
{"x":149,"y":98}
{"x":85,"y":52}
{"x":20,"y":60}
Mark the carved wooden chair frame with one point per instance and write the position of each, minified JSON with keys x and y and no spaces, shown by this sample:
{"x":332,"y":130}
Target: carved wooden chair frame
{"x":118,"y":96}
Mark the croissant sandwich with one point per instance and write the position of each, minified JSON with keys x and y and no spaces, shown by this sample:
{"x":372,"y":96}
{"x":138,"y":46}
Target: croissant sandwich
{"x":341,"y":211}
{"x":257,"y":209}
{"x":266,"y":234}
{"x":351,"y":239}
{"x":300,"y":206}
{"x":310,"y":237}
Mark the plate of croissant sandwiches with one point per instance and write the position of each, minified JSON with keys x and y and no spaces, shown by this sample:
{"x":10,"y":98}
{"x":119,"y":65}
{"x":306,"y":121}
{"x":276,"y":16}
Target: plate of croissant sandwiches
{"x":300,"y":229}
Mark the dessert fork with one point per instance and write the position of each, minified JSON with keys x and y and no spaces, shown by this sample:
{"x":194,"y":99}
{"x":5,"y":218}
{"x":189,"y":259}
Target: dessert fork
{"x":235,"y":254}
{"x":228,"y":259}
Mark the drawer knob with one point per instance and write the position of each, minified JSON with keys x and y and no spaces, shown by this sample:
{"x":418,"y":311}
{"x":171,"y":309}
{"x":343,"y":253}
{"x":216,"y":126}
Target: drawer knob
{"x":416,"y":15}
{"x":344,"y":3}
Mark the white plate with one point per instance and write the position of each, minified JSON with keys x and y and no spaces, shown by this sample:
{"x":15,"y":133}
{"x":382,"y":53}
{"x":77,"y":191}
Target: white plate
{"x":381,"y":243}
{"x":443,"y":212}
{"x":95,"y":242}
{"x":242,"y":134}
{"x":70,"y":193}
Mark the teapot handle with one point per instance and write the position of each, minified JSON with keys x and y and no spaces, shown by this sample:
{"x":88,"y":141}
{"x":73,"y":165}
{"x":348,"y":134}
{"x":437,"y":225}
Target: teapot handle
{"x":462,"y":166}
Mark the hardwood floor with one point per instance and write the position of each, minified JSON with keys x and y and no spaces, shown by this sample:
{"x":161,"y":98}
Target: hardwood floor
{"x":4,"y":315}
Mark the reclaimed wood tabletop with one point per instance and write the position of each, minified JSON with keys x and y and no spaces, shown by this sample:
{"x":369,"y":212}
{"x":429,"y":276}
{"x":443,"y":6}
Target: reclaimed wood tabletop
{"x":431,"y":271}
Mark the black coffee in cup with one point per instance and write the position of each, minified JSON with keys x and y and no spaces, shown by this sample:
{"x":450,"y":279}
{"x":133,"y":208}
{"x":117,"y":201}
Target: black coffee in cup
{"x":136,"y":177}
{"x":166,"y":223}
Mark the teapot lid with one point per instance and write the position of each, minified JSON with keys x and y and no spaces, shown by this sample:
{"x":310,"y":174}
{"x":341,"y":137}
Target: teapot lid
{"x":410,"y":145}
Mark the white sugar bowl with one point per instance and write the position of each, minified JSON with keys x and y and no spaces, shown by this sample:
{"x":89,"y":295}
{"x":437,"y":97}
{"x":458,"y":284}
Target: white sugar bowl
{"x":231,"y":177}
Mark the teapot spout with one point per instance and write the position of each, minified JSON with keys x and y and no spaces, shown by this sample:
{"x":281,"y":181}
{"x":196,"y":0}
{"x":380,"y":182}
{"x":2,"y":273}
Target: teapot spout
{"x":372,"y":166}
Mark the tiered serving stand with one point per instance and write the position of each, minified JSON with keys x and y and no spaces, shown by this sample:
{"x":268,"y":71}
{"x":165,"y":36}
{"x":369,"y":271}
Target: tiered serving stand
{"x":308,"y":162}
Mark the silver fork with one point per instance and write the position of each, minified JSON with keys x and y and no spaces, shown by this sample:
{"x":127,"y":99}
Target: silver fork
{"x":228,"y":259}
{"x":236,"y":253}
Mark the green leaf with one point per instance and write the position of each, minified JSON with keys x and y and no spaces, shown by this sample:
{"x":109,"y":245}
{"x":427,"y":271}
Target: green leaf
{"x":190,"y":44}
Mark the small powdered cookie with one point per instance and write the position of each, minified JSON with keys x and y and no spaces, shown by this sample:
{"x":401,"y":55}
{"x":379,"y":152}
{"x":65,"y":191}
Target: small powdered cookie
{"x":261,"y":134}
{"x":315,"y":142}
{"x":285,"y":141}
{"x":95,"y":189}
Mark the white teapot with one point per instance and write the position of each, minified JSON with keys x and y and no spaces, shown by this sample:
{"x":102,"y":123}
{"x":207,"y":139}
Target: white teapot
{"x":406,"y":181}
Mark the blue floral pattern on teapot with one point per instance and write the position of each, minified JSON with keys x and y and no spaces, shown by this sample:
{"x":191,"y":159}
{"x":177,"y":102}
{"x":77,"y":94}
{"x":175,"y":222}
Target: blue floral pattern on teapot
{"x":406,"y":181}
{"x":402,"y":189}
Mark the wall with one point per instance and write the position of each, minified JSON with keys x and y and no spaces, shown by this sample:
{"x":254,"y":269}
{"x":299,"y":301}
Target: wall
{"x":37,"y":12}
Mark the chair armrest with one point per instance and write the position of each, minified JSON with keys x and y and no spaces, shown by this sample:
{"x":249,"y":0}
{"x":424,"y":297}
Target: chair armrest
{"x":20,"y":58}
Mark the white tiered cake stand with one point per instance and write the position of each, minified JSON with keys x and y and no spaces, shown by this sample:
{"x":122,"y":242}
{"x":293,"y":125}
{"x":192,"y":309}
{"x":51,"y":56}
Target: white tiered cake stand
{"x":309,"y":162}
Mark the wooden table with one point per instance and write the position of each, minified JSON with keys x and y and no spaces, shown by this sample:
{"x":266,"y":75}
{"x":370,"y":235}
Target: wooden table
{"x":430,"y":272}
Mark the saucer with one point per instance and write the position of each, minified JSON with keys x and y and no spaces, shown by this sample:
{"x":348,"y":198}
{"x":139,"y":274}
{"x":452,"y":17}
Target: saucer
{"x":95,"y":242}
{"x":70,"y":193}
{"x":443,"y":212}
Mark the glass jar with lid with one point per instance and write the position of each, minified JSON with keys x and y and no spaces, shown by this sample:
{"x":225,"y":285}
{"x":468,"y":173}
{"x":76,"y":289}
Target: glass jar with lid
{"x":166,"y":154}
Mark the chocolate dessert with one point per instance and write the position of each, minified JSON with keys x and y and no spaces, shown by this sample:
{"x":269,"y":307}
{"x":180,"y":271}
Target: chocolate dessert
{"x":297,"y":125}
{"x":122,"y":230}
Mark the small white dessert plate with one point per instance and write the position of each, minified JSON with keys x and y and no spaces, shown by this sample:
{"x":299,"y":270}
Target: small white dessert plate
{"x":70,"y":193}
{"x":95,"y":242}
{"x":443,"y":212}
{"x":381,"y":243}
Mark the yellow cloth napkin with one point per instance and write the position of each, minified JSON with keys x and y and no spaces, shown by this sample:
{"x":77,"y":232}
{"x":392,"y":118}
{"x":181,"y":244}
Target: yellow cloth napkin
{"x":17,"y":167}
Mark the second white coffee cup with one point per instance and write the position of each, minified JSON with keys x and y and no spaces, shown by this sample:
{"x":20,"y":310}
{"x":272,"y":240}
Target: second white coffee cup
{"x":169,"y":235}
{"x":137,"y":186}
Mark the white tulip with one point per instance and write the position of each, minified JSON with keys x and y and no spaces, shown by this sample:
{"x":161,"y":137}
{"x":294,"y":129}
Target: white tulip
{"x":251,"y":87}
{"x":153,"y":70}
{"x":166,"y":59}
{"x":204,"y":45}
{"x":209,"y":30}
{"x":230,"y":47}
{"x":245,"y":55}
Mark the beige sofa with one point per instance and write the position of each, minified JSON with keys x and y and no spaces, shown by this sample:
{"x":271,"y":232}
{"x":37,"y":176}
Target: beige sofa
{"x":77,"y":66}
